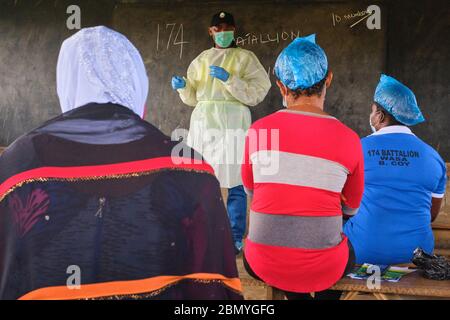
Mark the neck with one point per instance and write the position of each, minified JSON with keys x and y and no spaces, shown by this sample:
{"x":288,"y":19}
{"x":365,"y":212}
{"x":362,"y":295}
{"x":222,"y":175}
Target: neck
{"x":312,"y":104}
{"x":387,"y":124}
{"x":219,"y":47}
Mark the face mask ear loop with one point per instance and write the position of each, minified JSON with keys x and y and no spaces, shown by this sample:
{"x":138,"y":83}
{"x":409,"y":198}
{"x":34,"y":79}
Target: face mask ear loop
{"x":382,"y":118}
{"x":285,"y":97}
{"x":372,"y":125}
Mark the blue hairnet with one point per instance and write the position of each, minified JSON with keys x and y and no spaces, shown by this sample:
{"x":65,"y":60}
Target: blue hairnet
{"x":398,"y":100}
{"x":301,"y":64}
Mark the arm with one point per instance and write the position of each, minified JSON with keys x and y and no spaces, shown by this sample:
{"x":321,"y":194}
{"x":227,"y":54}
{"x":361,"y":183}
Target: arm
{"x":189,"y":93}
{"x":354,"y":187}
{"x":247,"y":170}
{"x":253,"y":86}
{"x":435,"y":207}
{"x":438,"y":194}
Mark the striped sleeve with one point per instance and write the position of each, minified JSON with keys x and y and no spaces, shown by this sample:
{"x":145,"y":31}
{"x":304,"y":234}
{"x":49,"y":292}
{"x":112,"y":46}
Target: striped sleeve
{"x":247,"y":169}
{"x":354,"y":186}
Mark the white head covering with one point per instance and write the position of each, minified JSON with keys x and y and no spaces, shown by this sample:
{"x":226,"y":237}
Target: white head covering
{"x":99,"y":65}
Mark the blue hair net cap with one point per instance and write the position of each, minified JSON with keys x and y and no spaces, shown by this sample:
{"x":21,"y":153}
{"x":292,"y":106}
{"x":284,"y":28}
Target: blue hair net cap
{"x":398,"y":100}
{"x":301,"y":64}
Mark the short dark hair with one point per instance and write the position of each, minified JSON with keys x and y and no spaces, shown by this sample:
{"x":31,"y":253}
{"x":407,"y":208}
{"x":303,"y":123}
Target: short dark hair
{"x":315,"y":89}
{"x":391,"y":120}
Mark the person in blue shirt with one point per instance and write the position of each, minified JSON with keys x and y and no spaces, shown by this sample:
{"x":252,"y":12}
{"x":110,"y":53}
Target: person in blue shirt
{"x":405,"y":181}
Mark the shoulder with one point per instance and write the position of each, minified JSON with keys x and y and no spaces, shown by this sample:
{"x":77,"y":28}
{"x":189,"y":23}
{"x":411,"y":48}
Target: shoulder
{"x":431,"y":158}
{"x":369,"y":139}
{"x":430,"y":151}
{"x":267,"y":121}
{"x":19,"y":156}
{"x":202,"y":56}
{"x":347,"y":133}
{"x":246,"y":54}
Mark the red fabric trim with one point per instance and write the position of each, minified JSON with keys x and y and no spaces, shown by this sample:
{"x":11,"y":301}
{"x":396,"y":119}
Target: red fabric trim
{"x":297,"y":270}
{"x":276,"y":198}
{"x":106,"y":170}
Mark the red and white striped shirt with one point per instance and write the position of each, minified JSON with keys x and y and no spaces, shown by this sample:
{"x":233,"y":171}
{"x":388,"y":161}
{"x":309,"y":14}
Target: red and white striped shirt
{"x":297,"y":165}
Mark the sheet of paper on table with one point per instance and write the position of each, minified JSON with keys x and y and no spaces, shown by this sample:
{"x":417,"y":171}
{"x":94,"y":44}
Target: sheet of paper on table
{"x":387,"y":273}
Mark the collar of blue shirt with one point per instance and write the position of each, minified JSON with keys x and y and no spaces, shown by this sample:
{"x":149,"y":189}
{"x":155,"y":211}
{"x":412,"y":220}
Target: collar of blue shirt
{"x":393,"y":129}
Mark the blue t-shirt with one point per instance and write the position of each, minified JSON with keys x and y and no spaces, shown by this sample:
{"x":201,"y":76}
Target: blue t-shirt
{"x":401,"y":175}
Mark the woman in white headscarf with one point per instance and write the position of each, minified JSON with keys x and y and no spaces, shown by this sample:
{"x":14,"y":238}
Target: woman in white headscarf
{"x":100,"y":65}
{"x":92,"y":200}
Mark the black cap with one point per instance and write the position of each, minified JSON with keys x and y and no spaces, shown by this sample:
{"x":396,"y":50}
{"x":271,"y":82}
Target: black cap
{"x":222,"y":17}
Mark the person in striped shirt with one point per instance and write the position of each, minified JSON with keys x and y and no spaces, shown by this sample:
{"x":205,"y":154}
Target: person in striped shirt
{"x":304,"y":169}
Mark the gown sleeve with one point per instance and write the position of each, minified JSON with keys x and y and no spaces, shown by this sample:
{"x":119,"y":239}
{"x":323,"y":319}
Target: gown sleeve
{"x":189,"y":93}
{"x":252,"y":87}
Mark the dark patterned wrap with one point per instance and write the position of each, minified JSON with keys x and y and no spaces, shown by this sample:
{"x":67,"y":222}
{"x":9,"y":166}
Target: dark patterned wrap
{"x":127,"y":228}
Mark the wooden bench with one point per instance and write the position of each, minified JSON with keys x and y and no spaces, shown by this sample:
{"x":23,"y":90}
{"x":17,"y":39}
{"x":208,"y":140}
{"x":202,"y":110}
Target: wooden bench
{"x":441,"y":231}
{"x":443,"y":220}
{"x":413,"y":284}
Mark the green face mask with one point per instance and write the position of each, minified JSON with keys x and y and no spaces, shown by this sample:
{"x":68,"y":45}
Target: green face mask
{"x":224,"y":39}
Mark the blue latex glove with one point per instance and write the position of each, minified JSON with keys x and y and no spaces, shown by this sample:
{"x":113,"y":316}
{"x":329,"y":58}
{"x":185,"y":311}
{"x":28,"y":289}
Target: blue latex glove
{"x":178,"y":83}
{"x":219,"y":73}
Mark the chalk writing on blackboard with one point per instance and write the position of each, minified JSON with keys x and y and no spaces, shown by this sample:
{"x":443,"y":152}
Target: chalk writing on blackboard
{"x":349,"y":16}
{"x":170,"y":34}
{"x":372,"y":14}
{"x":251,"y":39}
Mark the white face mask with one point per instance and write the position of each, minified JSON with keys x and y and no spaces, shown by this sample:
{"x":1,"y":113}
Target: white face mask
{"x":285,"y":100}
{"x":371,"y":125}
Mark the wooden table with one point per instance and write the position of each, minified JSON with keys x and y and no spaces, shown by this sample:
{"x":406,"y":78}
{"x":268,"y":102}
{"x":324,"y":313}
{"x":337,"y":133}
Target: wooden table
{"x":413,"y":284}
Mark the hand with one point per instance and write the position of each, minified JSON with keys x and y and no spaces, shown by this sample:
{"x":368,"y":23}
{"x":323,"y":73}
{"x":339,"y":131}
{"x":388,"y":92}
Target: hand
{"x":178,"y":83}
{"x":219,"y":73}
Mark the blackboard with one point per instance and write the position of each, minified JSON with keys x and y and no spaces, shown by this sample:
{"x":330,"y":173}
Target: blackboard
{"x":31,"y":34}
{"x":419,"y":51}
{"x":170,"y":37}
{"x":412,"y":45}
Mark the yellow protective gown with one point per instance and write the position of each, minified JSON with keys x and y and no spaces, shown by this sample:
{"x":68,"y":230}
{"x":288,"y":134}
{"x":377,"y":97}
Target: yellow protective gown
{"x":221,"y":117}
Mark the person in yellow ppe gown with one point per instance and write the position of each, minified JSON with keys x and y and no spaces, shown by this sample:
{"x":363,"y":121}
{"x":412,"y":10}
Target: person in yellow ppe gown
{"x":221,"y":83}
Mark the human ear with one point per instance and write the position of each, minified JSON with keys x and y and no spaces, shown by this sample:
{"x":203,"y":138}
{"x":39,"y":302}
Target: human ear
{"x":329,"y":79}
{"x":282,"y":88}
